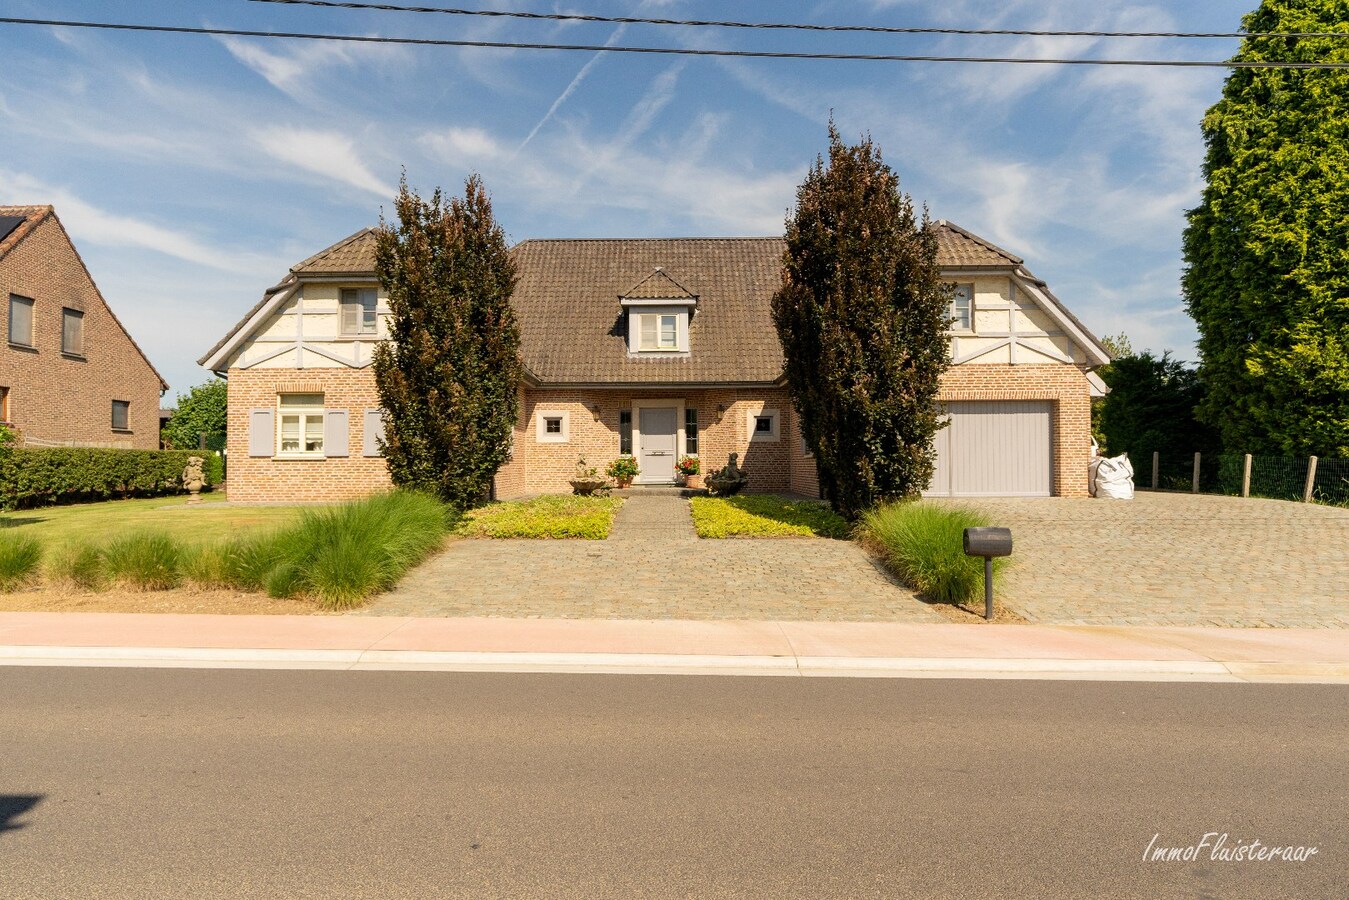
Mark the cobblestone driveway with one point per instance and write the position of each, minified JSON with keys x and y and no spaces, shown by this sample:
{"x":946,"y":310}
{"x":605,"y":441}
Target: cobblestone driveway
{"x":653,"y":566}
{"x":1176,"y":559}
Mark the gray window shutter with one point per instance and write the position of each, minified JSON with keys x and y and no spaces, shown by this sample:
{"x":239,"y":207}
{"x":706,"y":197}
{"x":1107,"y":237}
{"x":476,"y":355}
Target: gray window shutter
{"x":374,"y":431}
{"x":336,"y":435}
{"x":261,"y":432}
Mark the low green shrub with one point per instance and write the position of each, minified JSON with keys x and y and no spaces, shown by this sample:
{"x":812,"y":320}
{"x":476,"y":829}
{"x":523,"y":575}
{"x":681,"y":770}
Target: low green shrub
{"x":79,"y":566}
{"x":20,"y":556}
{"x":205,"y":565}
{"x":551,"y":516}
{"x":923,"y":544}
{"x":33,"y":476}
{"x":143,"y":560}
{"x":764,"y":515}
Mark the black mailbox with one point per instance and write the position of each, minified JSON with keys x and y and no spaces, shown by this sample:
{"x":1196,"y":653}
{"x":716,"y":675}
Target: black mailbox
{"x":989,"y":540}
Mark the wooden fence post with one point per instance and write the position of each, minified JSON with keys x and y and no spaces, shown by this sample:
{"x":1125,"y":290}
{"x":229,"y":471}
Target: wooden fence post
{"x":1246,"y":476}
{"x":1156,"y":457}
{"x":1194,"y":487}
{"x":1311,"y":480}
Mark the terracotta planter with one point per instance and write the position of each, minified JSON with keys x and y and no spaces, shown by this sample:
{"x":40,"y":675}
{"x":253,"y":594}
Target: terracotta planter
{"x":693,"y":482}
{"x":623,"y":482}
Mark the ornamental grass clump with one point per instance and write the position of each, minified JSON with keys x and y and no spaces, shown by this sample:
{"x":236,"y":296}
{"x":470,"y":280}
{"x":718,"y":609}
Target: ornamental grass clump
{"x":20,"y":556}
{"x":923,"y":544}
{"x":79,"y":566}
{"x":343,"y":554}
{"x":144,"y":560}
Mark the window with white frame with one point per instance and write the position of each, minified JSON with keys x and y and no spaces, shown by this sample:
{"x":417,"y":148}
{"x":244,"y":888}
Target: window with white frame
{"x":763,"y":425}
{"x":658,"y":331}
{"x":553,"y":427}
{"x":359,"y":311}
{"x":962,"y":308}
{"x":299,"y":430}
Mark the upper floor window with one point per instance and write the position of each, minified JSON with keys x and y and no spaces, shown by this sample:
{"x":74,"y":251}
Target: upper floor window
{"x":962,"y":308}
{"x":72,"y":332}
{"x":20,"y":320}
{"x":121,"y":415}
{"x":300,"y":431}
{"x":359,"y":311}
{"x":658,"y":331}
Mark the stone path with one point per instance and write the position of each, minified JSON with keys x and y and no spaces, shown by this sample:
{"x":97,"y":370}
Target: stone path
{"x":653,"y":566}
{"x":1175,"y":559}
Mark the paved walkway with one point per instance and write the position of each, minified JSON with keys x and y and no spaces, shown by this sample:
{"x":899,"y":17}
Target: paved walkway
{"x":653,"y":566}
{"x":1176,"y":559}
{"x":739,"y":648}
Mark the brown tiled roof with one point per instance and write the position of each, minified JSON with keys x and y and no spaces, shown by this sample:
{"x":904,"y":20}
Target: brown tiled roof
{"x":658,"y":286}
{"x":32,"y":215}
{"x":354,"y":255}
{"x":960,"y":249}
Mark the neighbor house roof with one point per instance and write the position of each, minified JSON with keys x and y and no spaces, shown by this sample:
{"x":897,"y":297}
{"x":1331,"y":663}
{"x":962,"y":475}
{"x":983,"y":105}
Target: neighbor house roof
{"x":12,"y":234}
{"x":571,"y":322}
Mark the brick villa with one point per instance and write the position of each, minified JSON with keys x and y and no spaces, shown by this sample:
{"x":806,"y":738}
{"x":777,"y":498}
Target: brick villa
{"x":70,"y":374}
{"x":655,"y":348}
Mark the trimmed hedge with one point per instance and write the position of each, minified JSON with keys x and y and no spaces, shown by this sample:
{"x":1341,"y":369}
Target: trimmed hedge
{"x":34,"y":476}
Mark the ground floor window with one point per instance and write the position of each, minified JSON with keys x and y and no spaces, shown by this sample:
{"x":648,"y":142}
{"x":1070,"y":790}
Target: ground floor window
{"x":691,"y":431}
{"x":300,"y":425}
{"x":554,"y":427}
{"x":121,"y":415}
{"x":625,"y":432}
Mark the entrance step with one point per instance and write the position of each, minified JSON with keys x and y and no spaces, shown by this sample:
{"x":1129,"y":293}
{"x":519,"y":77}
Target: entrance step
{"x":658,"y":490}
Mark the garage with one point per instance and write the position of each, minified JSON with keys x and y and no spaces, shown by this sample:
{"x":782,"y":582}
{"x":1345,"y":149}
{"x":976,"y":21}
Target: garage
{"x":995,"y":448}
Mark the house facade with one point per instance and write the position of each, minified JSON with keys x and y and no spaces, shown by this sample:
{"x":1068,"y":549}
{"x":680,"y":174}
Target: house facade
{"x":658,"y":349}
{"x":70,"y":374}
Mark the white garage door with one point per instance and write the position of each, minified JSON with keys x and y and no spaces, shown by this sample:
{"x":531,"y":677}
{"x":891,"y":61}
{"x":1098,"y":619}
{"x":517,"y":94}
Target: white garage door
{"x":994,"y":448}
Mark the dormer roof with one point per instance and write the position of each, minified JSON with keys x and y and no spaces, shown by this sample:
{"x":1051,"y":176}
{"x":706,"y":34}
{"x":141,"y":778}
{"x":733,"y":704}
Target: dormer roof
{"x":658,"y":287}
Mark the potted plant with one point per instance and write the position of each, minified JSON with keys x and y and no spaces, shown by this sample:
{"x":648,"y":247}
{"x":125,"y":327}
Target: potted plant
{"x":623,"y":470}
{"x":689,"y":467}
{"x":587,"y":480}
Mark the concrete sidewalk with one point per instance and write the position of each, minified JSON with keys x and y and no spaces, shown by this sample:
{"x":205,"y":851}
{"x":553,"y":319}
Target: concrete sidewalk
{"x":693,"y":647}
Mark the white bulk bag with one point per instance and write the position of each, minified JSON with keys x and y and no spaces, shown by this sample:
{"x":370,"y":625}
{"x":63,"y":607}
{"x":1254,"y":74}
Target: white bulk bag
{"x":1113,"y":477}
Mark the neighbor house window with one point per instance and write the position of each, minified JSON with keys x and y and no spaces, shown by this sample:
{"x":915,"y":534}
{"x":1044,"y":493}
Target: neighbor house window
{"x":121,"y":415}
{"x":300,"y":425}
{"x":962,"y":308}
{"x":4,"y":404}
{"x":20,"y":320}
{"x":763,"y":426}
{"x":658,"y":332}
{"x":358,"y":311}
{"x":72,"y":332}
{"x":554,"y":427}
{"x":691,"y":431}
{"x":625,"y":432}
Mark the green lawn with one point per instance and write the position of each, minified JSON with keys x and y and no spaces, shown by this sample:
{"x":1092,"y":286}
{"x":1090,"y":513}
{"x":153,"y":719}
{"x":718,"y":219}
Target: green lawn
{"x":553,"y":516}
{"x":97,"y":522}
{"x":765,"y":515}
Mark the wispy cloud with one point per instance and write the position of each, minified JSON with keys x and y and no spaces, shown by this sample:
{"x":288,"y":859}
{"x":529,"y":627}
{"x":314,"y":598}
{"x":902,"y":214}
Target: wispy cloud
{"x":569,"y":89}
{"x":330,"y":154}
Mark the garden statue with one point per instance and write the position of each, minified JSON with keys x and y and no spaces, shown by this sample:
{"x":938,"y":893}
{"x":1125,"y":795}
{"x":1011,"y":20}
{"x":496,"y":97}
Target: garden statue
{"x":727,"y":480}
{"x":194,"y":479}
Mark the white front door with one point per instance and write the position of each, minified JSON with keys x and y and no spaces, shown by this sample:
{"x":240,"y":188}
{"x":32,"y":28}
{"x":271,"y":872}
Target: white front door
{"x":659,"y":437}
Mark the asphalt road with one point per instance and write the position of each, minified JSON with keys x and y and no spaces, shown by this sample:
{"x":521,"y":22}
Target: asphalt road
{"x":134,"y":783}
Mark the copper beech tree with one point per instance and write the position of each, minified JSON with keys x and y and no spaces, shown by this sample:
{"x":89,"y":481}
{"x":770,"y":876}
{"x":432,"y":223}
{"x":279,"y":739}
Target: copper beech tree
{"x":862,"y":315}
{"x":449,"y":375}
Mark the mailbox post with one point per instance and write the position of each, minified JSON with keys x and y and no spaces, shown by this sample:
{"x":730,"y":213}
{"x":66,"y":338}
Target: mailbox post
{"x":988,"y":541}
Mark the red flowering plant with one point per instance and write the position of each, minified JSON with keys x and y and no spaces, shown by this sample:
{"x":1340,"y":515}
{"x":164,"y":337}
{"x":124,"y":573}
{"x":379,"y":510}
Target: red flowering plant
{"x":687,"y":465}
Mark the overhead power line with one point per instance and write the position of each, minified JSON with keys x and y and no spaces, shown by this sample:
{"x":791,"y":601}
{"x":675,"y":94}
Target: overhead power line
{"x":793,"y":26}
{"x":676,"y":51}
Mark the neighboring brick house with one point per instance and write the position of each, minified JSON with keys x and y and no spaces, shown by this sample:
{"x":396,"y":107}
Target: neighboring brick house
{"x":655,"y":348}
{"x":70,"y":374}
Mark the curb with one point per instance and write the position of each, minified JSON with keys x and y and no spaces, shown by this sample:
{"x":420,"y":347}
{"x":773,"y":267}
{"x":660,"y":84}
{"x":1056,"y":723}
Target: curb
{"x":679,"y":664}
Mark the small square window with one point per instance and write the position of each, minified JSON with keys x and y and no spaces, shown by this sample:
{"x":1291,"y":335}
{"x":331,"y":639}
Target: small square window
{"x":763,"y":425}
{"x":553,"y":424}
{"x":20,"y":320}
{"x":121,"y":415}
{"x":553,"y":427}
{"x":72,"y":332}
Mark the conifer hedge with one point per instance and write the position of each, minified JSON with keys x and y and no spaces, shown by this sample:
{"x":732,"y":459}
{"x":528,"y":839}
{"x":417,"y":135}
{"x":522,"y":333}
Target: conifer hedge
{"x":34,"y":476}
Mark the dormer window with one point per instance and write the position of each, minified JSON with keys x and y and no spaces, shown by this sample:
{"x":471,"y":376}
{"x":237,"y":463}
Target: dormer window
{"x":659,"y":309}
{"x":658,"y":331}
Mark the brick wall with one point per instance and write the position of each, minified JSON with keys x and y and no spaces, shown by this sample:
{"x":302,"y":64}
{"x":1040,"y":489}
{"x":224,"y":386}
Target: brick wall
{"x":54,"y":397}
{"x":261,"y":479}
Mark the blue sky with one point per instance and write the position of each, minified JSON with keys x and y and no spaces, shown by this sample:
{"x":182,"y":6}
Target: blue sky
{"x":193,"y":171}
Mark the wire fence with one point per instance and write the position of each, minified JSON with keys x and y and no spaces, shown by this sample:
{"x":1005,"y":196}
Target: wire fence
{"x":1245,"y":475}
